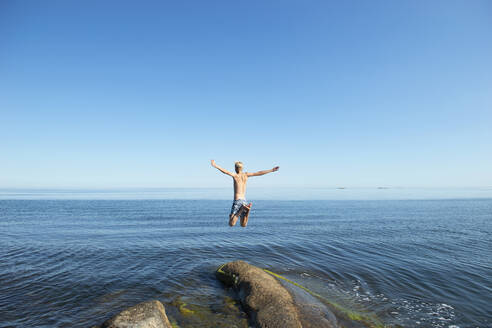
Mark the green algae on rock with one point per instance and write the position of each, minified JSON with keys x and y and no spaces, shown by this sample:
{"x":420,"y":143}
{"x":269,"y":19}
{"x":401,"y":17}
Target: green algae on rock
{"x":260,"y":287}
{"x":185,"y":313}
{"x":368,"y":319}
{"x":267,"y":302}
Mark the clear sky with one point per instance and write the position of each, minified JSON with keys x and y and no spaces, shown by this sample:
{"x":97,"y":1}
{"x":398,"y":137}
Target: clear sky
{"x":110,"y":94}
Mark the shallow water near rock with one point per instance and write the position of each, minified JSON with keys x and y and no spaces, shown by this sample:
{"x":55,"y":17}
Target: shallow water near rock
{"x":412,"y":263}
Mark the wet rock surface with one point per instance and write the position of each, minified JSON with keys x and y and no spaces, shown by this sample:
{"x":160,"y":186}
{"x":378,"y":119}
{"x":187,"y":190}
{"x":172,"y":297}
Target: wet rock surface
{"x":268,"y":303}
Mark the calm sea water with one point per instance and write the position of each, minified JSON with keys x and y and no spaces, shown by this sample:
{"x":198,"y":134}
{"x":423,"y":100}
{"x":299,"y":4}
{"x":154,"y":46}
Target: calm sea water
{"x":413,"y":263}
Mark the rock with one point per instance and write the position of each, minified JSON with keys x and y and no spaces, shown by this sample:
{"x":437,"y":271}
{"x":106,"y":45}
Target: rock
{"x":149,"y":314}
{"x":264,"y":299}
{"x":268,"y":303}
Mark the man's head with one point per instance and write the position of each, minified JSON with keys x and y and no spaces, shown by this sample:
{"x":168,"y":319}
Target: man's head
{"x":238,"y":166}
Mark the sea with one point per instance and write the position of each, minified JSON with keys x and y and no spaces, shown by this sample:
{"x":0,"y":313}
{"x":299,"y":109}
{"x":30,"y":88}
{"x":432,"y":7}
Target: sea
{"x":408,"y":257}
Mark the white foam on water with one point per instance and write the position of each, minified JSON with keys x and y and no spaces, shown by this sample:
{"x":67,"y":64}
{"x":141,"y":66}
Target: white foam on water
{"x":403,"y":312}
{"x":414,"y":312}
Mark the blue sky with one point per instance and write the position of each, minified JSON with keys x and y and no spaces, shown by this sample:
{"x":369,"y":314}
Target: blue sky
{"x":143,"y":94}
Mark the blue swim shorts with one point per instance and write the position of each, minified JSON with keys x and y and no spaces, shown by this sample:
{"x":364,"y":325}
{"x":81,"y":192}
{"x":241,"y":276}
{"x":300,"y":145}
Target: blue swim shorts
{"x":236,"y":205}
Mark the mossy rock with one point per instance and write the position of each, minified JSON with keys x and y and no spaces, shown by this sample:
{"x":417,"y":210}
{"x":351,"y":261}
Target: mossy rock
{"x":311,"y":309}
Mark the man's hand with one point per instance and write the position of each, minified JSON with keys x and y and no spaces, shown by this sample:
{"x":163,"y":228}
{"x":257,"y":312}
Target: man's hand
{"x":275,"y":168}
{"x":213,"y":163}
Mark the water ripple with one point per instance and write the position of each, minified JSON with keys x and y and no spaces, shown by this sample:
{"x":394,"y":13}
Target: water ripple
{"x":74,"y":263}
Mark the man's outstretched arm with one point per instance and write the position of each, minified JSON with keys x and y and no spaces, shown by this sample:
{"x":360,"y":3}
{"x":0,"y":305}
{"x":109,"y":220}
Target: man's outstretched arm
{"x":255,"y":174}
{"x":220,"y":169}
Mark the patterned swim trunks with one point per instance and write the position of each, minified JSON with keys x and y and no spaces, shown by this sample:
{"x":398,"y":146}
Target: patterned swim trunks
{"x":236,"y":205}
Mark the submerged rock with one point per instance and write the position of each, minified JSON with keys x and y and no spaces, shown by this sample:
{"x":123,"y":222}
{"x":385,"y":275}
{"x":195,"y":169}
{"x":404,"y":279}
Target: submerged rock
{"x":149,"y":314}
{"x":268,"y":303}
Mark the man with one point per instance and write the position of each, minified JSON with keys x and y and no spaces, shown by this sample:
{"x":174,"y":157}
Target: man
{"x":239,"y":207}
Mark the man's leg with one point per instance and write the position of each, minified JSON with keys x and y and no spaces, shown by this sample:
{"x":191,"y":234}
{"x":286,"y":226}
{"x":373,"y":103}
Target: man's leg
{"x":233,"y":219}
{"x":245,"y":214}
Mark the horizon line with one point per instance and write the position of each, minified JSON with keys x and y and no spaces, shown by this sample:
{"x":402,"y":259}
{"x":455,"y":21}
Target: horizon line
{"x":380,"y":187}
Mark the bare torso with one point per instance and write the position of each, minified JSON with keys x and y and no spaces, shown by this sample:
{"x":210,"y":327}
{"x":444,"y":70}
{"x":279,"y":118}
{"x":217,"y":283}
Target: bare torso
{"x":240,"y":185}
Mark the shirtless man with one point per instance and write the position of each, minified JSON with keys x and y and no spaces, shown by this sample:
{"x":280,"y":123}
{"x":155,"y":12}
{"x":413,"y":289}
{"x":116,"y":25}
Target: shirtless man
{"x":239,"y":207}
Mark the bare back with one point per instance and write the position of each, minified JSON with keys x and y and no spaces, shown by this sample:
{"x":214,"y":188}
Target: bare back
{"x":240,"y":185}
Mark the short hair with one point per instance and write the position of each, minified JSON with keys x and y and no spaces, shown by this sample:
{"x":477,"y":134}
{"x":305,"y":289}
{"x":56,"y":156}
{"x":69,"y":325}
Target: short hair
{"x":238,"y":165}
